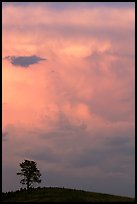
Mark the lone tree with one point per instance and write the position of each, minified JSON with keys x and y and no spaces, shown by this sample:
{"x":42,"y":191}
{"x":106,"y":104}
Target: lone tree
{"x":30,"y":172}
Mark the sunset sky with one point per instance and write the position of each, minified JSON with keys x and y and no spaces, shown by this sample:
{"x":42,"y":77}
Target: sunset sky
{"x":68,"y":94}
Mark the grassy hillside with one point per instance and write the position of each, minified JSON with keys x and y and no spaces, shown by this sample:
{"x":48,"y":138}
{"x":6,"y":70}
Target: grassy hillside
{"x":60,"y":195}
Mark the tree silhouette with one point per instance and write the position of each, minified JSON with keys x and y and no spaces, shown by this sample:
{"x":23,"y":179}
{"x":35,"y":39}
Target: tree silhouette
{"x":30,"y":173}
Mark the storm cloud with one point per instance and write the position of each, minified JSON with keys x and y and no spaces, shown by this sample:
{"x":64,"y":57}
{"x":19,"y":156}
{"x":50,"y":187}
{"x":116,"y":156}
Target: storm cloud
{"x":72,"y":113}
{"x":24,"y":61}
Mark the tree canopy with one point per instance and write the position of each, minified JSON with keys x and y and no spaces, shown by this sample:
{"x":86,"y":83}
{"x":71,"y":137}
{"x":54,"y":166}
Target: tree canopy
{"x":30,"y":173}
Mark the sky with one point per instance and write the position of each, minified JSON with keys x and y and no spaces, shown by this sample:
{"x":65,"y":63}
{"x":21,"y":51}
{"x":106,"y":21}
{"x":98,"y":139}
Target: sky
{"x":68,"y":94}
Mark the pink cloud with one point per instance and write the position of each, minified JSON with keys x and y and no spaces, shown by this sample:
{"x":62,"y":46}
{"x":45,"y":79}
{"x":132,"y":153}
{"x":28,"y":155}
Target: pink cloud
{"x":77,"y":99}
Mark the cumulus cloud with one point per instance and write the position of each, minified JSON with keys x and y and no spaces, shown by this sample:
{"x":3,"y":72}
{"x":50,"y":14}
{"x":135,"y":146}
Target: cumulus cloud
{"x":24,"y":61}
{"x":78,"y":120}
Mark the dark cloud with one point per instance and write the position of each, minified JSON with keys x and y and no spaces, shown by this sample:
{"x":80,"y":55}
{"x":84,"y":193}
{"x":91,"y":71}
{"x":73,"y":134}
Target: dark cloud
{"x":63,"y":128}
{"x":64,"y":123}
{"x":24,"y":61}
{"x":69,"y":5}
{"x":120,"y":149}
{"x":4,"y":136}
{"x":118,"y":141}
{"x":47,"y":155}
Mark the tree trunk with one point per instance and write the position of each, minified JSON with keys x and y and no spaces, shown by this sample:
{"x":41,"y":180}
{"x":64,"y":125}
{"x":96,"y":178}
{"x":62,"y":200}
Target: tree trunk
{"x":28,"y":185}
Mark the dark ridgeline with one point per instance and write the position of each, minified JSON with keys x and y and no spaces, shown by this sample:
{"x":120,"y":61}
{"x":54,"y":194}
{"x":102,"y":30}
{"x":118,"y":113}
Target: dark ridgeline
{"x":51,"y":194}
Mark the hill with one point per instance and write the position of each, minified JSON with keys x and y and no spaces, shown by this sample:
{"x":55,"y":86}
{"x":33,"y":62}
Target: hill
{"x":61,"y":195}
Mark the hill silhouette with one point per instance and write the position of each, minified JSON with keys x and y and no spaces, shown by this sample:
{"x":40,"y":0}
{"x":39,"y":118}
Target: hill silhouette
{"x":54,"y":194}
